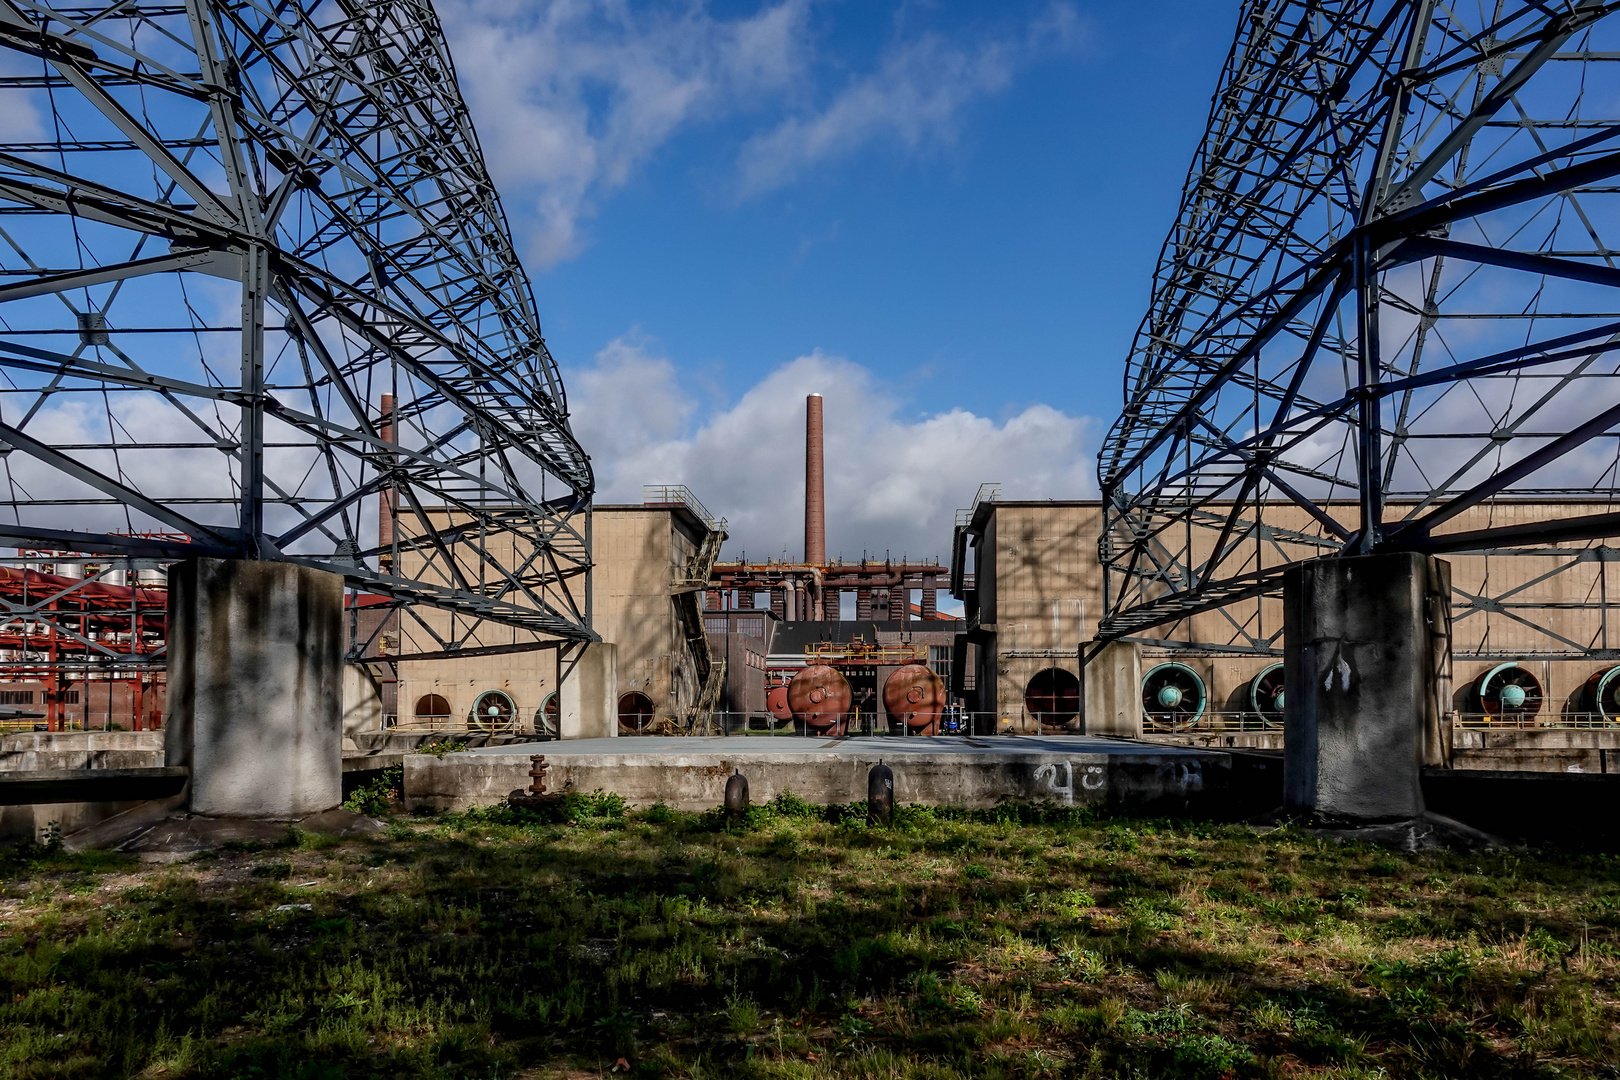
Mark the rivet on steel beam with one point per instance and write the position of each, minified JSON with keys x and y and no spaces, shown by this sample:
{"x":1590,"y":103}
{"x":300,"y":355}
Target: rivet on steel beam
{"x":736,"y":795}
{"x":880,"y":794}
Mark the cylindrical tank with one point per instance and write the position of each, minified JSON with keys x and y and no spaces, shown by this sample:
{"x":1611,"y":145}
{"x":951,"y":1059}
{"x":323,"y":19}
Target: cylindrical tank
{"x":820,"y":697}
{"x":914,"y":696}
{"x":776,"y":700}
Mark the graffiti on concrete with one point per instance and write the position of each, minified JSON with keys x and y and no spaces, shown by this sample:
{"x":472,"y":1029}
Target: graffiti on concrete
{"x":1058,"y":778}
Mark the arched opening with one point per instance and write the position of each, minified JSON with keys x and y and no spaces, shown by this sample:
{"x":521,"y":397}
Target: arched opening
{"x":635,"y":712}
{"x":433,"y":710}
{"x":1053,"y":696}
{"x":494,"y":711}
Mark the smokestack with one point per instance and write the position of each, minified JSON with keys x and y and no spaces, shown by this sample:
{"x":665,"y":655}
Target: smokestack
{"x":389,"y":497}
{"x":815,"y":488}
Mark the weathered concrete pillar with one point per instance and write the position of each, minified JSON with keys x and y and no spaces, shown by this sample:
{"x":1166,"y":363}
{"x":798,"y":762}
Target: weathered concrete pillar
{"x":589,"y":696}
{"x":1112,"y":684}
{"x":1360,"y":670}
{"x":255,"y":687}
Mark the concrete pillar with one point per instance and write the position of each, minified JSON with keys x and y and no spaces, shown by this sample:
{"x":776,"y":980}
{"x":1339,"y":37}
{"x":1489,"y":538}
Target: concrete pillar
{"x":1360,"y":669}
{"x":362,"y":700}
{"x":1112,"y":688}
{"x":589,"y":696}
{"x":255,"y":687}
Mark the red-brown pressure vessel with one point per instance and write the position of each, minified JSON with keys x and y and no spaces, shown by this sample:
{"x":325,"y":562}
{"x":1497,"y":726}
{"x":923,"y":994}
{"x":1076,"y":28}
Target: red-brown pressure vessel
{"x":776,"y":700}
{"x":820,"y":697}
{"x":914,"y":696}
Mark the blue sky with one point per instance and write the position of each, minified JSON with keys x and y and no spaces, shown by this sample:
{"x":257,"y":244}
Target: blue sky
{"x":943,"y":216}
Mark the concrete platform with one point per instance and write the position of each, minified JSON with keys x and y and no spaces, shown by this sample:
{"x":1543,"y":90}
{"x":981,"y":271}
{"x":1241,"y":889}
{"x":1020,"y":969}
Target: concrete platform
{"x":690,"y":773}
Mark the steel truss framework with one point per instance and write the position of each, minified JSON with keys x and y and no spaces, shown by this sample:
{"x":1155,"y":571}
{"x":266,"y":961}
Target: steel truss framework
{"x":227,"y":230}
{"x":1386,"y":318}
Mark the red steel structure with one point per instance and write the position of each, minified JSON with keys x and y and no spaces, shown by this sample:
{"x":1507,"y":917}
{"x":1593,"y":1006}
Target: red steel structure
{"x":807,"y":592}
{"x":83,"y":639}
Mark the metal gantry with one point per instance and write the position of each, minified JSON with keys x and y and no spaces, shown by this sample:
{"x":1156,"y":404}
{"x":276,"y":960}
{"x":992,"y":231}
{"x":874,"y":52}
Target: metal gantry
{"x":1386,"y":319}
{"x":257,"y":289}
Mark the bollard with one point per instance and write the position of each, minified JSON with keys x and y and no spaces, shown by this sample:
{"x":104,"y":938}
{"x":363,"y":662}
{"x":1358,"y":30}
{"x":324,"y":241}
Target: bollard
{"x":537,"y":770}
{"x":736,"y":795}
{"x":880,"y":795}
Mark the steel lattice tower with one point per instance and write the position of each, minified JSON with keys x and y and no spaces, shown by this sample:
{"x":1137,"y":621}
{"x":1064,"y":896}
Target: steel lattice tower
{"x":227,"y":230}
{"x":1387,"y":315}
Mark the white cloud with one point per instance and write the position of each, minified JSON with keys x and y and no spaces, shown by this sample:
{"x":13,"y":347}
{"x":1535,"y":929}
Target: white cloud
{"x":893,"y":482}
{"x":913,"y":97}
{"x":572,"y":97}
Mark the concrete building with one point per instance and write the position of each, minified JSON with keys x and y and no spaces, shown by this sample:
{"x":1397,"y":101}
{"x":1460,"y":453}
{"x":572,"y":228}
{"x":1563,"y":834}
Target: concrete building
{"x":1031,"y":583}
{"x":650,"y":565}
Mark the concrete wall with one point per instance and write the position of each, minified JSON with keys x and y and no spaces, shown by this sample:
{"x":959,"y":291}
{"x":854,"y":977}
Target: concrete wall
{"x":1040,"y":588}
{"x":1151,"y":782}
{"x":71,"y":750}
{"x":637,"y":551}
{"x":526,"y":677}
{"x":1113,"y":692}
{"x":362,"y":700}
{"x":590,"y":695}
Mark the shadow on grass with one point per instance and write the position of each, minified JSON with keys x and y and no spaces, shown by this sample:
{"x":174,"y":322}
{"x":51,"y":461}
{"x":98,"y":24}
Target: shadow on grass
{"x":490,"y":944}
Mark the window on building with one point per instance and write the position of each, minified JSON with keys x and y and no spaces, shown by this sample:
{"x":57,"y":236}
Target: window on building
{"x":716,"y":626}
{"x":753,"y":627}
{"x":67,"y":697}
{"x":16,"y":697}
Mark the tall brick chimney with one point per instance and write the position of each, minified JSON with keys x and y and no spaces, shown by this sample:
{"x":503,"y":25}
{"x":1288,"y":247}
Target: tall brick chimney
{"x":815,"y":487}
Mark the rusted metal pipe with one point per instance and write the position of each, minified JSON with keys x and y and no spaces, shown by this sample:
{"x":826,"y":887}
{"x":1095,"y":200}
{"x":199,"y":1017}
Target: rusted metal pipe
{"x":815,"y":492}
{"x":537,"y":770}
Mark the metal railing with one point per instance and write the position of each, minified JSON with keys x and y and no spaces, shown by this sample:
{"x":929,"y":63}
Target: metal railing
{"x":1534,"y":722}
{"x":678,"y":495}
{"x":1214,"y":721}
{"x":986,"y":493}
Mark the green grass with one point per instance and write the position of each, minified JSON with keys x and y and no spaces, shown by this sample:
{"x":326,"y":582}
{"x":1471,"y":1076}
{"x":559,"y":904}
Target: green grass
{"x":804,"y":945}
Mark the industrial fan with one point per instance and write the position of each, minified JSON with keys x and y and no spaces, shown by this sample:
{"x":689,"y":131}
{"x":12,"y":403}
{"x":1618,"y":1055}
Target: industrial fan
{"x":1509,"y":692}
{"x":1603,"y":694}
{"x":1173,"y":696}
{"x":1266,"y":695}
{"x":546,"y":717}
{"x":494,"y":711}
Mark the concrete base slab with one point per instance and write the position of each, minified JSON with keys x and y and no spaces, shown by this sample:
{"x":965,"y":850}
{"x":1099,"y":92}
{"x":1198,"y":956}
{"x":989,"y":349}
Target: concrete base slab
{"x":155,"y":834}
{"x":176,"y":838}
{"x":1428,"y":832}
{"x":690,"y":773}
{"x":344,"y":823}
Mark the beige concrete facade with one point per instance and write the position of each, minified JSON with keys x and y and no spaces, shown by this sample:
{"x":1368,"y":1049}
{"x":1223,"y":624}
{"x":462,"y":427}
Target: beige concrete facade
{"x":637,"y":553}
{"x":1037,"y":592}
